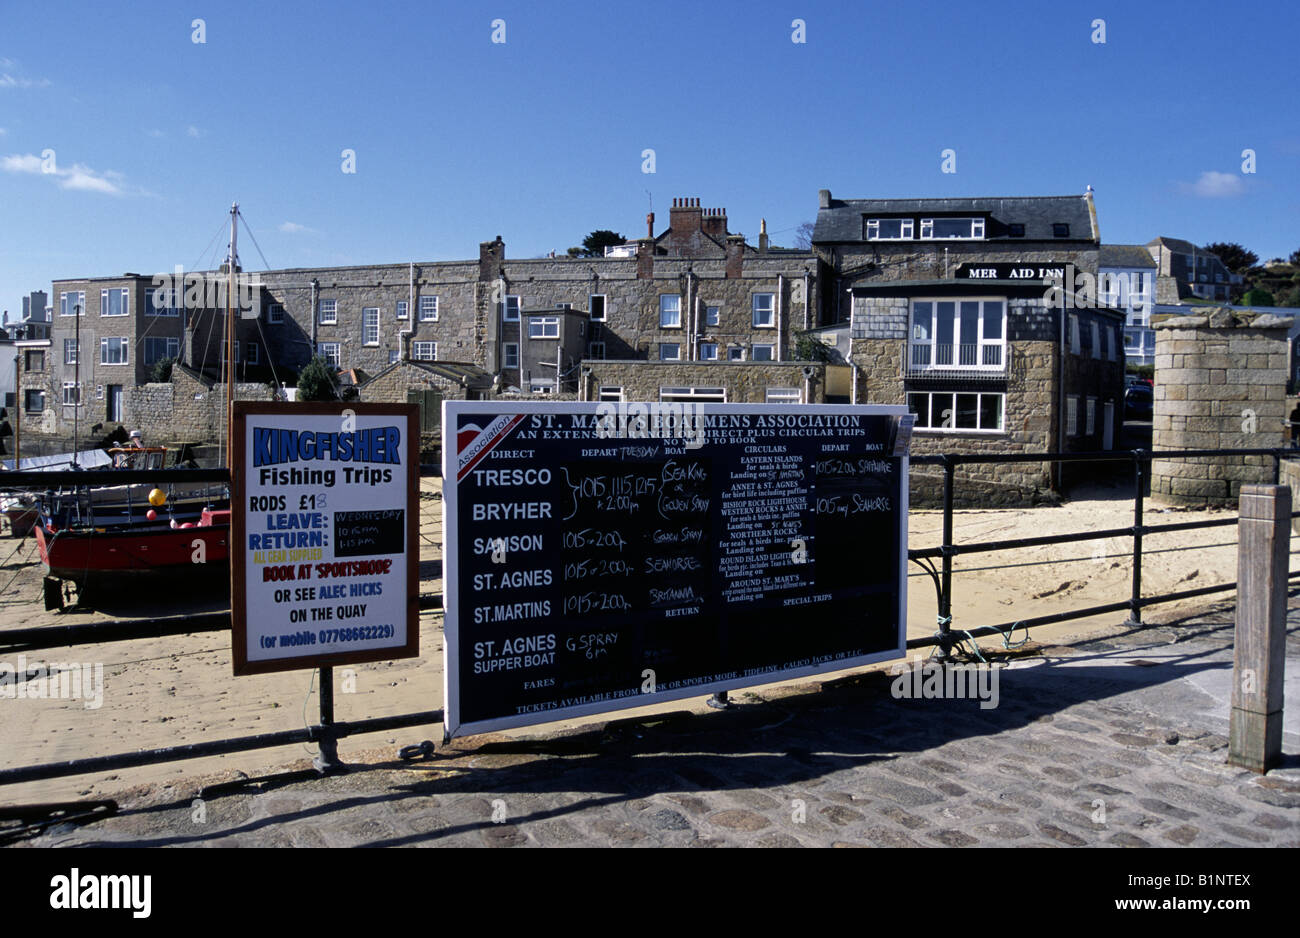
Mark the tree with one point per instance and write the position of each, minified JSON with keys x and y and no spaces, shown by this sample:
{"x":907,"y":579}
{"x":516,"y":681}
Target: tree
{"x":803,"y":236}
{"x":808,"y":348}
{"x":1295,"y":258}
{"x":595,"y":243}
{"x":1257,"y":297}
{"x":162,"y":371}
{"x":318,"y":382}
{"x":1235,"y":257}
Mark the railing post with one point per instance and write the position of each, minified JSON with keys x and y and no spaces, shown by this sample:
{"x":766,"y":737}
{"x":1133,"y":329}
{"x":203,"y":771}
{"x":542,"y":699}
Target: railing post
{"x":945,"y":593}
{"x":1135,"y":597}
{"x":1259,"y":649}
{"x":327,"y":760}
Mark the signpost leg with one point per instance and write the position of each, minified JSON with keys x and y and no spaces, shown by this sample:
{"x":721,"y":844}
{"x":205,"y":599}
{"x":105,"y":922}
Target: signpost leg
{"x":327,"y":760}
{"x":719,"y":701}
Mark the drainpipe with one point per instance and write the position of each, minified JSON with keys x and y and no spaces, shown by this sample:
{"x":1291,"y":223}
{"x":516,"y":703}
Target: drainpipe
{"x":404,"y":348}
{"x":1060,"y":394}
{"x":315,"y":287}
{"x":853,"y":390}
{"x":780,"y":313}
{"x":807,"y":302}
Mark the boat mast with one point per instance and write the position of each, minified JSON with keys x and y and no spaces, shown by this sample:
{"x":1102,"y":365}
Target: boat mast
{"x":229,"y":363}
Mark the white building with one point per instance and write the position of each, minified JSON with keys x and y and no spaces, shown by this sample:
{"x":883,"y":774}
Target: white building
{"x":1127,"y":281}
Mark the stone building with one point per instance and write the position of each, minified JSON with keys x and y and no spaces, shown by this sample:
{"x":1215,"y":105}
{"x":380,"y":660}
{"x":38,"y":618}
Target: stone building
{"x":982,"y":316}
{"x":1185,"y":271}
{"x":1220,"y":384}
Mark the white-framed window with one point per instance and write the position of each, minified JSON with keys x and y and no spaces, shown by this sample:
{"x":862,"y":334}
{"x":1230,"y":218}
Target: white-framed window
{"x":393,"y":355}
{"x":943,"y":228}
{"x":610,"y":393}
{"x":712,"y":315}
{"x":958,"y":411}
{"x":735,"y":353}
{"x":596,"y":350}
{"x":763,"y":353}
{"x":329,"y":312}
{"x":71,"y":302}
{"x":114,"y":301}
{"x":71,"y":394}
{"x":1095,"y":328}
{"x":541,"y":386}
{"x":708,"y":351}
{"x":670,"y":351}
{"x":99,"y":392}
{"x":428,"y":309}
{"x":156,"y":348}
{"x":1071,"y":416}
{"x":403,"y":309}
{"x":70,"y":351}
{"x":275,"y":313}
{"x":330,"y":352}
{"x":958,"y":333}
{"x":424,"y":351}
{"x":1076,"y":342}
{"x":370,"y":325}
{"x":596,"y":305}
{"x":764,"y":305}
{"x":252,"y":355}
{"x":510,"y":355}
{"x":670,"y":311}
{"x":1090,"y":417}
{"x":544,"y":327}
{"x":161,"y":302}
{"x":889,"y":229}
{"x":783,"y":396}
{"x":687,"y":395}
{"x":510,"y":311}
{"x":224,"y":353}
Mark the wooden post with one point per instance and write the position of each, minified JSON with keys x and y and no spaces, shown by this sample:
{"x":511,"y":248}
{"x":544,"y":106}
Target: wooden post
{"x":1263,"y":554}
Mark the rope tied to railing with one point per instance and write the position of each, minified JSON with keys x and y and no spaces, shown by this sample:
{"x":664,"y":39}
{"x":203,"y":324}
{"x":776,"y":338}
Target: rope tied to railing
{"x":1006,"y":637}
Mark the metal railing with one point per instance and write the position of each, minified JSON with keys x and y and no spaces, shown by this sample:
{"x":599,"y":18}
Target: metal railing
{"x":946,"y":637}
{"x":328,"y":732}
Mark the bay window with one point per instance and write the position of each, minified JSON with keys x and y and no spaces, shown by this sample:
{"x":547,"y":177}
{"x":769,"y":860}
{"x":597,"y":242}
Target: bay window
{"x":957,"y":334}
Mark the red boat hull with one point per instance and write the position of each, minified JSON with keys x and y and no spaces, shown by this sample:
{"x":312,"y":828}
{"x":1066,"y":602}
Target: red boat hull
{"x":87,"y":555}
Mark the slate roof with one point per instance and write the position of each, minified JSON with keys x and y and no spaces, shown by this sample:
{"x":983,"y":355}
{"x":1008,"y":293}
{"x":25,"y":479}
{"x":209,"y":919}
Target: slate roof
{"x":1124,"y":255}
{"x":462,"y":373}
{"x":841,"y":221}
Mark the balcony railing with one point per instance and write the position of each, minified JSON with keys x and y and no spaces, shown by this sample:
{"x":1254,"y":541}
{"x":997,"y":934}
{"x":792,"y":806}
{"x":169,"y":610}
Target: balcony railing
{"x":983,"y":358}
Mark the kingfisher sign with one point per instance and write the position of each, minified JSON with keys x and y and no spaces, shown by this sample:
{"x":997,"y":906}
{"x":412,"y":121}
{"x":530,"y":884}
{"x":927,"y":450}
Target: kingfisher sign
{"x":325,"y":541}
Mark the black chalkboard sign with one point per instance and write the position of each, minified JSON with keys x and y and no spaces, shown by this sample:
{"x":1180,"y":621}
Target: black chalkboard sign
{"x":365,"y":533}
{"x":607,"y":556}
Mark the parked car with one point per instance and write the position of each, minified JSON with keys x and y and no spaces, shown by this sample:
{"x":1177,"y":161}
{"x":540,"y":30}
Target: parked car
{"x":1139,"y":402}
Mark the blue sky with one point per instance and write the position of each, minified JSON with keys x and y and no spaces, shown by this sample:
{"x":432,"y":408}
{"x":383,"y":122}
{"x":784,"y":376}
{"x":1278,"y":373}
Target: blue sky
{"x":539,"y":139}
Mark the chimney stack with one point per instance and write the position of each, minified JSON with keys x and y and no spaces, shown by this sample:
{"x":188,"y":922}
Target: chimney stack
{"x":762,"y":236}
{"x":650,"y":225}
{"x":491,"y":254}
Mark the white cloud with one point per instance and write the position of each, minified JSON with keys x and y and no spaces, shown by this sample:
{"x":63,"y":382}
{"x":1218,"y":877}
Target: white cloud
{"x":3,"y":131}
{"x":194,"y":131}
{"x":1214,"y":185}
{"x":77,"y":177}
{"x":157,"y":134}
{"x":292,"y":227}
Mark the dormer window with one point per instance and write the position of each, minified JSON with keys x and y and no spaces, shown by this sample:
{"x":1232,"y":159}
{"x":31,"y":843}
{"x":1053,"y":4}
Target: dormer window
{"x":889,"y":229}
{"x":1015,"y":231}
{"x":1060,"y":230}
{"x":962,"y":228}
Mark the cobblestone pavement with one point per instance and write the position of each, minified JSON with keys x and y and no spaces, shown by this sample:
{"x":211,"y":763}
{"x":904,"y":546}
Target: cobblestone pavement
{"x":1113,"y":742}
